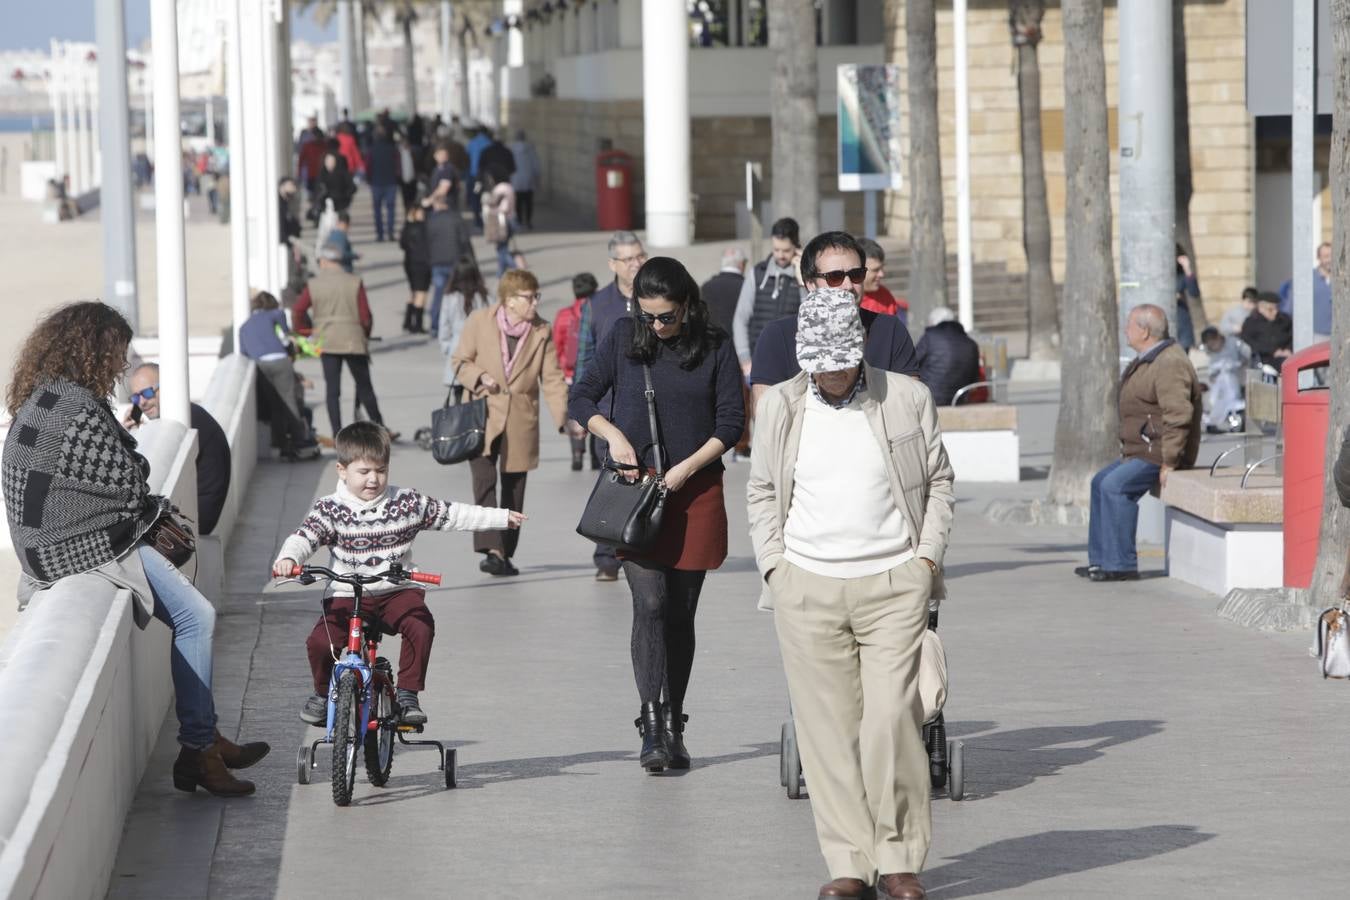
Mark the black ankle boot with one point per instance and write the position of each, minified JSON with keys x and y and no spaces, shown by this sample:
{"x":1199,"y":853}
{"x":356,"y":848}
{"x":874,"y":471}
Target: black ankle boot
{"x":675,"y":721}
{"x":408,"y":311}
{"x":655,"y":755}
{"x":418,"y":327}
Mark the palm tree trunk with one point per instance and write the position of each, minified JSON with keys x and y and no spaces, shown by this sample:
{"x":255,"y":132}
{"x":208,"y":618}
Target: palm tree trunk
{"x":409,"y":68}
{"x":1328,"y":577}
{"x":796,"y":184}
{"x":465,"y":110}
{"x":927,"y":244}
{"x":1086,"y":433}
{"x":1181,"y":160}
{"x":1043,"y":315}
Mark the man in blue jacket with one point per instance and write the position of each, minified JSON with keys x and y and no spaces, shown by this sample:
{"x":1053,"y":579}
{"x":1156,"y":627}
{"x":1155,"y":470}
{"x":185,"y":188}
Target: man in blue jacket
{"x":607,"y":306}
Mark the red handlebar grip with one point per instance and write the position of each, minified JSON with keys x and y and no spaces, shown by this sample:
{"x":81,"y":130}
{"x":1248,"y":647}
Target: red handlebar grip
{"x":295,"y":571}
{"x":425,"y":577}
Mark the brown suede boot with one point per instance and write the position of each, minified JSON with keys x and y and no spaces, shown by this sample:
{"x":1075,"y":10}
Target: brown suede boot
{"x":205,"y":768}
{"x":237,"y":757}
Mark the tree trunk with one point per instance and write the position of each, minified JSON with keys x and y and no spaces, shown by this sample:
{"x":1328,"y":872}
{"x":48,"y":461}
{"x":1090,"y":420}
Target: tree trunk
{"x":927,"y":244}
{"x":1181,"y":161}
{"x":1086,"y":434}
{"x":465,"y":108}
{"x":795,"y":175}
{"x":1043,"y":315}
{"x":362,"y":101}
{"x":1329,"y":572}
{"x":409,"y":67}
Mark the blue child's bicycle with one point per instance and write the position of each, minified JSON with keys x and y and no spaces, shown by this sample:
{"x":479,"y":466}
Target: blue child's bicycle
{"x":362,"y":706}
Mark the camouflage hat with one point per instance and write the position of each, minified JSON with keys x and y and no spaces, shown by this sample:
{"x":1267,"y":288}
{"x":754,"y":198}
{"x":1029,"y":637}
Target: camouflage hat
{"x":829,"y":331}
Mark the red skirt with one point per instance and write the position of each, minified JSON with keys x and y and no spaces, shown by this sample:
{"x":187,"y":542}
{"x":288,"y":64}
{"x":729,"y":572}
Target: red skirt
{"x":693,"y":526}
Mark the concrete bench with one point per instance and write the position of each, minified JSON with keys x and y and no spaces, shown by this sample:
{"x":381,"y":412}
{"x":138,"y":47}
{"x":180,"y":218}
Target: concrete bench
{"x":981,"y":440}
{"x":1221,"y":536}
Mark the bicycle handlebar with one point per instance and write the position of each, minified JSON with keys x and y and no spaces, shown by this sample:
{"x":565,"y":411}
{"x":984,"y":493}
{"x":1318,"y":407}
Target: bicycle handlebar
{"x":394,"y":575}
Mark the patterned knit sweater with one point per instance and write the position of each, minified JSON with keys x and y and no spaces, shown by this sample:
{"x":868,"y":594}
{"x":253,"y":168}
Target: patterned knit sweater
{"x":366,"y":536}
{"x":75,"y":488}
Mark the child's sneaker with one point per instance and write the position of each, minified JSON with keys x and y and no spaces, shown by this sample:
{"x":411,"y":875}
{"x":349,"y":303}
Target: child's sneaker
{"x":408,"y":710}
{"x":315,"y":711}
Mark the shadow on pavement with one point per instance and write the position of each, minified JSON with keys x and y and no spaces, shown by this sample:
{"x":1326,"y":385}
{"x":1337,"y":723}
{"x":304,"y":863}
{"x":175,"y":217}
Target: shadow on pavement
{"x":1008,"y":760}
{"x":1017,"y":862}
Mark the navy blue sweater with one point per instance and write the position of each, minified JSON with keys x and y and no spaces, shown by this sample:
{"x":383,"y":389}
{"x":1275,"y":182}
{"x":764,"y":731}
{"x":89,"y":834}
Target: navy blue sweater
{"x":691,"y":405}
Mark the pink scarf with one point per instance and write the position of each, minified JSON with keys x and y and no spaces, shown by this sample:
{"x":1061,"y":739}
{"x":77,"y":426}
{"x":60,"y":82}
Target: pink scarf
{"x":518,"y":331}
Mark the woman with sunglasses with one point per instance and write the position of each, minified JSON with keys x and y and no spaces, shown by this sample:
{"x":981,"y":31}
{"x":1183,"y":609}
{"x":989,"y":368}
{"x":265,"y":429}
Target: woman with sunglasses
{"x":505,"y":353}
{"x":700,"y":412}
{"x":78,"y":503}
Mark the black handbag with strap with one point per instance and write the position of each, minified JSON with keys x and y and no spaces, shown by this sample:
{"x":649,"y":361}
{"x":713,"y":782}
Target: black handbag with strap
{"x":172,"y":537}
{"x":622,"y":513}
{"x":458,"y":429}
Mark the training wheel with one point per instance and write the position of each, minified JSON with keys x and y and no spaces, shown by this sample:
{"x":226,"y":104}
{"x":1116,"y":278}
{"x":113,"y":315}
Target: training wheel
{"x":450,"y":782}
{"x":956,"y":759}
{"x":302,"y":765}
{"x":782,"y":755}
{"x":792,"y":762}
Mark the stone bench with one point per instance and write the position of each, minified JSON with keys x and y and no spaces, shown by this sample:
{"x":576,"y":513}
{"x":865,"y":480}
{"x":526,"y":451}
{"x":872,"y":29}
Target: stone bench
{"x":981,"y":441}
{"x":1221,"y":536}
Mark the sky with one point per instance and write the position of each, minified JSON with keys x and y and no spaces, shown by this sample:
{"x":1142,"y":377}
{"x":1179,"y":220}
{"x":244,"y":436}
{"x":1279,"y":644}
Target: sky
{"x":32,"y":25}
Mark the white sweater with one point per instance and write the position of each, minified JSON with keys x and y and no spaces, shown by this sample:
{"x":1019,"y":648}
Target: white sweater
{"x":842,"y":521}
{"x":366,"y":536}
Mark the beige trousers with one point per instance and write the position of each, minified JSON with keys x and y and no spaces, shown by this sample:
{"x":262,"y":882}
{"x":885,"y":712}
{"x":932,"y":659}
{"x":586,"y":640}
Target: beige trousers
{"x":851,"y":652}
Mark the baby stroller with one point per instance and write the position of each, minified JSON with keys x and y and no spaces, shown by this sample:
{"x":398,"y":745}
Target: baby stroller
{"x":946,"y":759}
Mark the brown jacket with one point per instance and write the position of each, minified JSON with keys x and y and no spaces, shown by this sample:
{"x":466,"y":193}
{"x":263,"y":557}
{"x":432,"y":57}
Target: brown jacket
{"x":513,"y":414}
{"x":335,"y":308}
{"x":1160,"y":409}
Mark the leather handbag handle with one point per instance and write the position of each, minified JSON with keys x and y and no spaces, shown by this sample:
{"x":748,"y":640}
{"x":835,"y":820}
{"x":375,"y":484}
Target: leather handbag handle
{"x":650,"y":394}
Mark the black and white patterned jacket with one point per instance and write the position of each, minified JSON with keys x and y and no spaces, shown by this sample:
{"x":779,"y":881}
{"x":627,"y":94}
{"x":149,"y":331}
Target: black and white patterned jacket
{"x":75,"y":488}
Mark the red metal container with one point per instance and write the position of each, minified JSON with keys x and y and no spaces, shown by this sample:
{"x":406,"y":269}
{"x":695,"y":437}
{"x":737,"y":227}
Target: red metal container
{"x":1305,"y":415}
{"x":614,"y":191}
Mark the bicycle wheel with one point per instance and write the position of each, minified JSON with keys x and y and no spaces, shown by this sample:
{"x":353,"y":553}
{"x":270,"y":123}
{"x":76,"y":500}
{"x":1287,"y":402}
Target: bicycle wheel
{"x":347,"y":732}
{"x":380,"y":742}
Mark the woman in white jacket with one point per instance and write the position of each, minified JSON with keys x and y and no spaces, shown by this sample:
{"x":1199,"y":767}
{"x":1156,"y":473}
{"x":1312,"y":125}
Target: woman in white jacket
{"x":467,"y":292}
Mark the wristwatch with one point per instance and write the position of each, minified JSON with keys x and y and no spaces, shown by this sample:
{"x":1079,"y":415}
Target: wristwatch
{"x":932,"y":566}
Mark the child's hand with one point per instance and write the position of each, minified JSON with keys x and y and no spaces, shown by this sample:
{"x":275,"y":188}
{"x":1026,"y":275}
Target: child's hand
{"x":283,"y":568}
{"x":514,"y":519}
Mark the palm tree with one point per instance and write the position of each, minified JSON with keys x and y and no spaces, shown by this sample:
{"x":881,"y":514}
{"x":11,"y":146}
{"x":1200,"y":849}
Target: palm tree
{"x":1024,"y":19}
{"x":405,"y":13}
{"x":1085,"y":436}
{"x":927,"y":244}
{"x":1181,"y":159}
{"x":796,"y":186}
{"x":1329,"y":573}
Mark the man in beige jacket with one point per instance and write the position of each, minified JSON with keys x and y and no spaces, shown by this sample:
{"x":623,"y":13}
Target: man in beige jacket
{"x":850,"y":502}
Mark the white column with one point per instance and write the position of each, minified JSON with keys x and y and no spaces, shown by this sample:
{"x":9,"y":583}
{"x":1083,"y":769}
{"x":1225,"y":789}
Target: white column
{"x":631,"y":28}
{"x":170,"y":265}
{"x":1304,"y":13}
{"x":234,"y":81}
{"x":965,"y":301}
{"x":515,"y":37}
{"x":148,"y":104}
{"x":117,"y":212}
{"x":87,"y":123}
{"x":443,"y":77}
{"x":346,"y":59}
{"x":211,"y":121}
{"x":1147,"y":187}
{"x":254,"y":142}
{"x":56,"y":88}
{"x":665,"y":116}
{"x":76,"y":112}
{"x":267,"y":36}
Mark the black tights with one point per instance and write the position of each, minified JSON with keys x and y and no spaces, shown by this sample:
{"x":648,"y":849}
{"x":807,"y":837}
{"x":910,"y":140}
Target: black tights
{"x":664,"y":603}
{"x":365,"y":392}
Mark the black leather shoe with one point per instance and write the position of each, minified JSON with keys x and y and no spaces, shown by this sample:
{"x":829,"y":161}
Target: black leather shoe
{"x":675,"y":721}
{"x":492,"y":564}
{"x":1086,"y":571}
{"x":655,"y":754}
{"x":1104,"y":575}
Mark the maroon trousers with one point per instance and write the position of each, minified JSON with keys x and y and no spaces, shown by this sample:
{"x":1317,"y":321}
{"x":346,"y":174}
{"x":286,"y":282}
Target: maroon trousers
{"x":403,"y":612}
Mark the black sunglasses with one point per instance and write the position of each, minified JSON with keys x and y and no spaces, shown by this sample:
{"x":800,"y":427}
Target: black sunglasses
{"x":147,"y":394}
{"x":665,"y":318}
{"x":837,"y":276}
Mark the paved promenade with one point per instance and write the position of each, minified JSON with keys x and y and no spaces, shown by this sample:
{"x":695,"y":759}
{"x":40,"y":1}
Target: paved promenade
{"x":1121,"y":739}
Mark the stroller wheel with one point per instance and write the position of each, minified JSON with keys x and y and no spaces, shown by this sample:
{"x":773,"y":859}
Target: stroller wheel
{"x":783,"y":755}
{"x":938,"y":756}
{"x":791,"y":762}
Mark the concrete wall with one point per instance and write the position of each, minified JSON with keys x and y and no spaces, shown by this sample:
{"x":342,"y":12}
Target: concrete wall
{"x":92,"y":690}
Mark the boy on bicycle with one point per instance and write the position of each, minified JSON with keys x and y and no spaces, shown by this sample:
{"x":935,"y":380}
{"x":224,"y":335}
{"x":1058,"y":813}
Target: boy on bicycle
{"x":369,"y":525}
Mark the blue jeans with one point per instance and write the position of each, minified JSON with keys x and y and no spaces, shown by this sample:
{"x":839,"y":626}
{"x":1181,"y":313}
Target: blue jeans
{"x":1115,"y":513}
{"x":440,"y":277}
{"x":505,"y":258}
{"x":192,"y":619}
{"x":385,"y":197}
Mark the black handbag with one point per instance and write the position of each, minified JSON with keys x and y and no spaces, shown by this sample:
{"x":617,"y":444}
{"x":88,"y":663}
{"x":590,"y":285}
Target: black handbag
{"x":622,"y":513}
{"x":172,"y":536}
{"x":458,"y":429}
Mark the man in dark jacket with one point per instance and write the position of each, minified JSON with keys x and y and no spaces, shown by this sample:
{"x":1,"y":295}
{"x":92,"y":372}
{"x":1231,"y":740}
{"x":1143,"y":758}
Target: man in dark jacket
{"x":606,"y":307}
{"x":497,"y":160}
{"x":771,"y":292}
{"x":723,"y":290}
{"x":949,"y":359}
{"x":1268,"y":332}
{"x":1160,"y":412}
{"x":213,"y":448}
{"x":382,"y":170}
{"x":447,"y":243}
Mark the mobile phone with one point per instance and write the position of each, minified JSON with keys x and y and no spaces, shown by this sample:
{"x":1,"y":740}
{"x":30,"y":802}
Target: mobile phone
{"x":136,"y":413}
